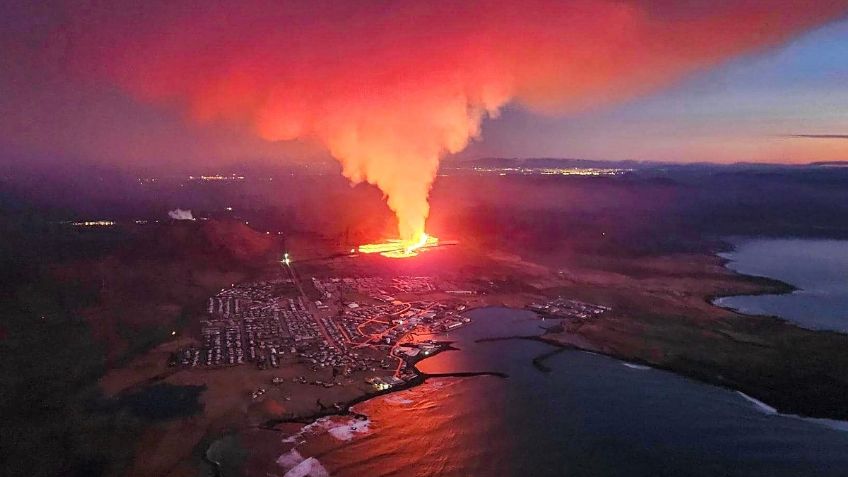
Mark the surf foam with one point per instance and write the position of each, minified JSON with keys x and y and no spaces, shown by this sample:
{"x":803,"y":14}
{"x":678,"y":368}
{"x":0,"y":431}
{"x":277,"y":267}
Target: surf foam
{"x":308,"y":468}
{"x":348,"y":430}
{"x":290,"y":459}
{"x":766,"y":409}
{"x":640,"y":367}
{"x":343,"y":430}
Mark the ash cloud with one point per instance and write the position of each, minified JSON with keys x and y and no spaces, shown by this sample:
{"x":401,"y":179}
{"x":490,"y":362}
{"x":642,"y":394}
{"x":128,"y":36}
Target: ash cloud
{"x":389,"y":88}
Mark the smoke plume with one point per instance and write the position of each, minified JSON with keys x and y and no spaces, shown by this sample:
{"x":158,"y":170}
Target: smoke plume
{"x":389,"y":88}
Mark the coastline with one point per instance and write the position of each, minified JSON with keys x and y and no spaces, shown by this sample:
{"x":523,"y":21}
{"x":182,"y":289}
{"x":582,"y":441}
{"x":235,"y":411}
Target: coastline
{"x":770,"y":286}
{"x":835,"y":424}
{"x":345,"y":408}
{"x":801,"y":411}
{"x":577,"y":343}
{"x":813,"y":269}
{"x":538,"y":362}
{"x":684,"y":307}
{"x":769,"y":333}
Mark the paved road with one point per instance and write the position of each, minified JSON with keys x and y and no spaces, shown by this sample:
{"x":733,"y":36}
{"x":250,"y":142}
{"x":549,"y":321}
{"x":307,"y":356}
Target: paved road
{"x":310,"y":307}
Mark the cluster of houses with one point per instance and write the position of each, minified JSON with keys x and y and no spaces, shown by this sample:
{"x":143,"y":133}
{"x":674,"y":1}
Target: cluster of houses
{"x":269,"y":321}
{"x":251,"y":322}
{"x":568,"y":308}
{"x":378,"y":288}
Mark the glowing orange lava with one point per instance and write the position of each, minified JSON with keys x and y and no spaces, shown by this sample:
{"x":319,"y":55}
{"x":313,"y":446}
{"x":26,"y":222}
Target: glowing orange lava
{"x":396,"y":248}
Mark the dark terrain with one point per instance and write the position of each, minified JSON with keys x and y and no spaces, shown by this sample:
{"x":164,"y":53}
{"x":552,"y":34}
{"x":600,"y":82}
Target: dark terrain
{"x":77,"y":301}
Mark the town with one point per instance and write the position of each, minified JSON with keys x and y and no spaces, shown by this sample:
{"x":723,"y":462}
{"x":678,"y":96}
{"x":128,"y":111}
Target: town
{"x":344,"y":325}
{"x":569,"y":309}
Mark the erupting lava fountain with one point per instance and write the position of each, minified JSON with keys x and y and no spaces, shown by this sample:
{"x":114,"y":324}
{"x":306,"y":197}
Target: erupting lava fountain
{"x":396,"y":248}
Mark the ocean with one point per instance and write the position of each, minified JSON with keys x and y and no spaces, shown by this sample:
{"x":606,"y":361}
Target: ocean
{"x":591,"y":415}
{"x":818,"y":268}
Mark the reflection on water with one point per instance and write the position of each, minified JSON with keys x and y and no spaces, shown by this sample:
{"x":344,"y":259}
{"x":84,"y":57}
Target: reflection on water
{"x":819,"y":268}
{"x":590,"y":416}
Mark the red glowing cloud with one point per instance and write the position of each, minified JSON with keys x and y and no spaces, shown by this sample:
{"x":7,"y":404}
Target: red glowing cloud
{"x":390,"y":87}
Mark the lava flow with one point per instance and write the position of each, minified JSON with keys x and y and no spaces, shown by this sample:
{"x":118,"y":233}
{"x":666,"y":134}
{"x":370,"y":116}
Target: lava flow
{"x":396,"y":248}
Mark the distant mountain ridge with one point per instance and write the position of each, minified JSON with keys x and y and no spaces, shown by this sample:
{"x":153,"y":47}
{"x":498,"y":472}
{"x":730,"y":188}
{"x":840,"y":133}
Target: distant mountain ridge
{"x":211,"y":241}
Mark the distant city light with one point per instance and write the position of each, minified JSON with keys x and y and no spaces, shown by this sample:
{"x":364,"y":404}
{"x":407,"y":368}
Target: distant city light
{"x":551,"y":171}
{"x":95,"y":223}
{"x":217,"y":177}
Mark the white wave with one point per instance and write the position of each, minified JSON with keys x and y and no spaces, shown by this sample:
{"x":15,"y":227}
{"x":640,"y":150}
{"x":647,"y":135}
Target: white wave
{"x":640,"y":367}
{"x":766,"y":409}
{"x":343,"y":430}
{"x":348,"y":430}
{"x":298,"y":436}
{"x":308,"y":468}
{"x":761,"y":406}
{"x":290,"y":459}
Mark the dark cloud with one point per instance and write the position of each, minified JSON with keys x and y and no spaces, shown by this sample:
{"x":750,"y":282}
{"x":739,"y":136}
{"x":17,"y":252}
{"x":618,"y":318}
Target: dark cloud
{"x":819,"y":136}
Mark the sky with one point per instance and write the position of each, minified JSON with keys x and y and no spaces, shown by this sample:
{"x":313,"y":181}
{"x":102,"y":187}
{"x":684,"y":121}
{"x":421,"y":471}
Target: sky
{"x":755,"y":100}
{"x":748,"y":109}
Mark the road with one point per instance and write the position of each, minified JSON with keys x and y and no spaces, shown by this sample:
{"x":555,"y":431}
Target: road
{"x":310,"y":307}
